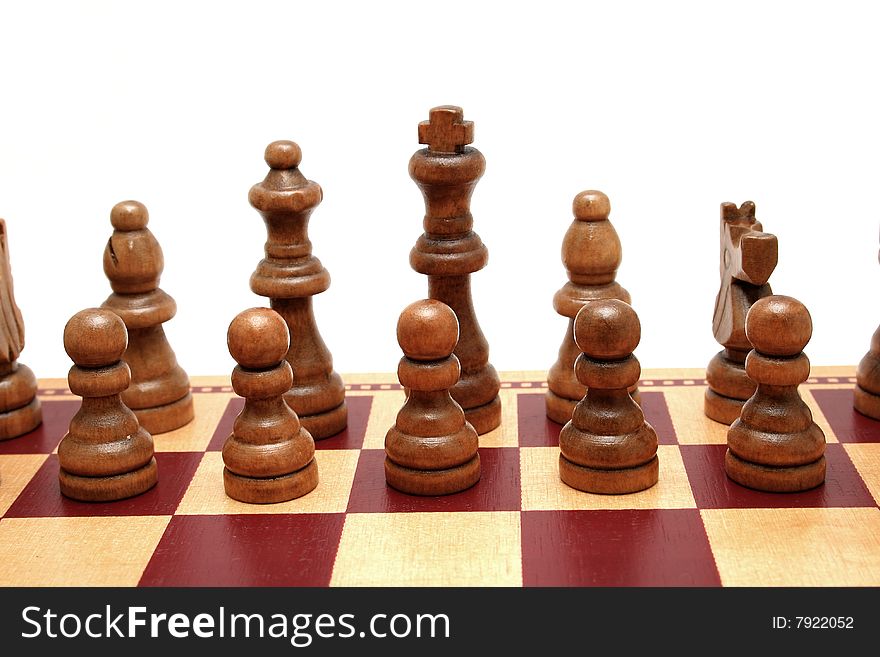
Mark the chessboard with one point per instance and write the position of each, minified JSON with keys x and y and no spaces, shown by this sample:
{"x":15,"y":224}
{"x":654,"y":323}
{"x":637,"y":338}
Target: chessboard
{"x":519,"y":526}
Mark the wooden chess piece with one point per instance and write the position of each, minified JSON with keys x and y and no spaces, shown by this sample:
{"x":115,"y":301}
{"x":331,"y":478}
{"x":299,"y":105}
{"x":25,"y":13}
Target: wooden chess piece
{"x":591,"y":254}
{"x":270,"y":456}
{"x":20,"y":411}
{"x":774,"y":445}
{"x":159,"y":393}
{"x":866,"y":395}
{"x":449,"y":251}
{"x":290,"y":276}
{"x":607,"y":447}
{"x":431,"y":449}
{"x":748,"y":257}
{"x":106,"y":455}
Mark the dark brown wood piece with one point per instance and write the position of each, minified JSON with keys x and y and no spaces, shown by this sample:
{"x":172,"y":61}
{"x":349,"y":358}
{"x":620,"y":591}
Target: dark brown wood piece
{"x":290,"y":276}
{"x":748,"y":258}
{"x":607,"y":447}
{"x":106,"y":455}
{"x":270,"y":456}
{"x":159,"y":393}
{"x":449,"y":251}
{"x":20,"y":410}
{"x":866,"y":395}
{"x":431,"y":449}
{"x":774,"y":445}
{"x":591,"y":254}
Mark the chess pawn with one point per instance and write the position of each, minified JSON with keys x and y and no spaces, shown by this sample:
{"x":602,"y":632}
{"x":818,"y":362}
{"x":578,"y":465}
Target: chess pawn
{"x":431,"y":449}
{"x":866,"y":395}
{"x":607,"y":447}
{"x":449,"y":251}
{"x":269,"y":457}
{"x":591,"y":254}
{"x":290,"y":276}
{"x":20,"y":411}
{"x":106,"y":455}
{"x":775,"y":445}
{"x":159,"y":393}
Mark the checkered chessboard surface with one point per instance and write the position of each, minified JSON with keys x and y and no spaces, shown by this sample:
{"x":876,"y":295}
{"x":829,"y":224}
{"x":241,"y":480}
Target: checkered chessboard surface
{"x":520,"y":526}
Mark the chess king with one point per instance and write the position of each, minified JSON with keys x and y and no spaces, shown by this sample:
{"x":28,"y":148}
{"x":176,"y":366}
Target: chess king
{"x":449,"y":251}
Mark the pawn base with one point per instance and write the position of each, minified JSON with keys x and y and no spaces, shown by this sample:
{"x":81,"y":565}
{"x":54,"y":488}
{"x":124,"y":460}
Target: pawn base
{"x":866,"y":403}
{"x":609,"y":482}
{"x":433,"y":482}
{"x":774,"y":479}
{"x":560,"y":409}
{"x":486,"y":417}
{"x":109,"y":489}
{"x":326,"y":424}
{"x":161,"y":419}
{"x":20,"y":421}
{"x":271,"y":490}
{"x":722,"y":409}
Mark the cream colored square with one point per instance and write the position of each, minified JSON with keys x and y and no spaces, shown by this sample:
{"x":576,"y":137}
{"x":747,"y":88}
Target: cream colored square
{"x":429,"y":549}
{"x":336,"y":467}
{"x":795,"y":547}
{"x":383,"y":415}
{"x":543,"y":490}
{"x":16,"y":470}
{"x":692,"y":427}
{"x":77,"y":551}
{"x":866,"y":458}
{"x":195,"y":436}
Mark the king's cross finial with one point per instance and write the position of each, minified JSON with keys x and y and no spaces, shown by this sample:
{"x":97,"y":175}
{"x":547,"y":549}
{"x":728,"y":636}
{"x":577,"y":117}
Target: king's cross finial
{"x":446,"y":131}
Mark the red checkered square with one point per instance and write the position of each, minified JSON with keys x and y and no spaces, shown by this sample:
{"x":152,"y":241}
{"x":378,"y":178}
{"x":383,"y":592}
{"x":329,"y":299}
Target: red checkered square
{"x":497,"y":490}
{"x":713,"y":489}
{"x":42,"y":497}
{"x":636,"y":547}
{"x":246,"y":550}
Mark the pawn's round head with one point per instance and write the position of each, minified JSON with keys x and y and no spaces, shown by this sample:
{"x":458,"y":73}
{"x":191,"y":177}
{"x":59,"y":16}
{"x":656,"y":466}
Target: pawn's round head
{"x":258,"y":338}
{"x":283,"y":154}
{"x":779,"y":326}
{"x":427,"y":330}
{"x":591,"y":205}
{"x":129,"y":215}
{"x":95,"y":337}
{"x":607,"y":329}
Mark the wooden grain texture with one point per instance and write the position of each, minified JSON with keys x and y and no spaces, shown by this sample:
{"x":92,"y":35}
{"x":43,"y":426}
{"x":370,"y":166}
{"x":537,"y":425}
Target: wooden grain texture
{"x":607,"y":446}
{"x":270,"y":456}
{"x":431,"y":449}
{"x":430,"y":549}
{"x":159,"y":393}
{"x":518,"y":525}
{"x":449,"y":251}
{"x":111,"y":551}
{"x":775,"y":445}
{"x":748,"y":258}
{"x":591,"y":253}
{"x":19,"y":407}
{"x":795,"y":547}
{"x":106,"y":455}
{"x":290,"y":276}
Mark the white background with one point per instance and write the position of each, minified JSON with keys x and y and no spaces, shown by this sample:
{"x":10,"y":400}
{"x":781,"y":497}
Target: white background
{"x":670,"y":108}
